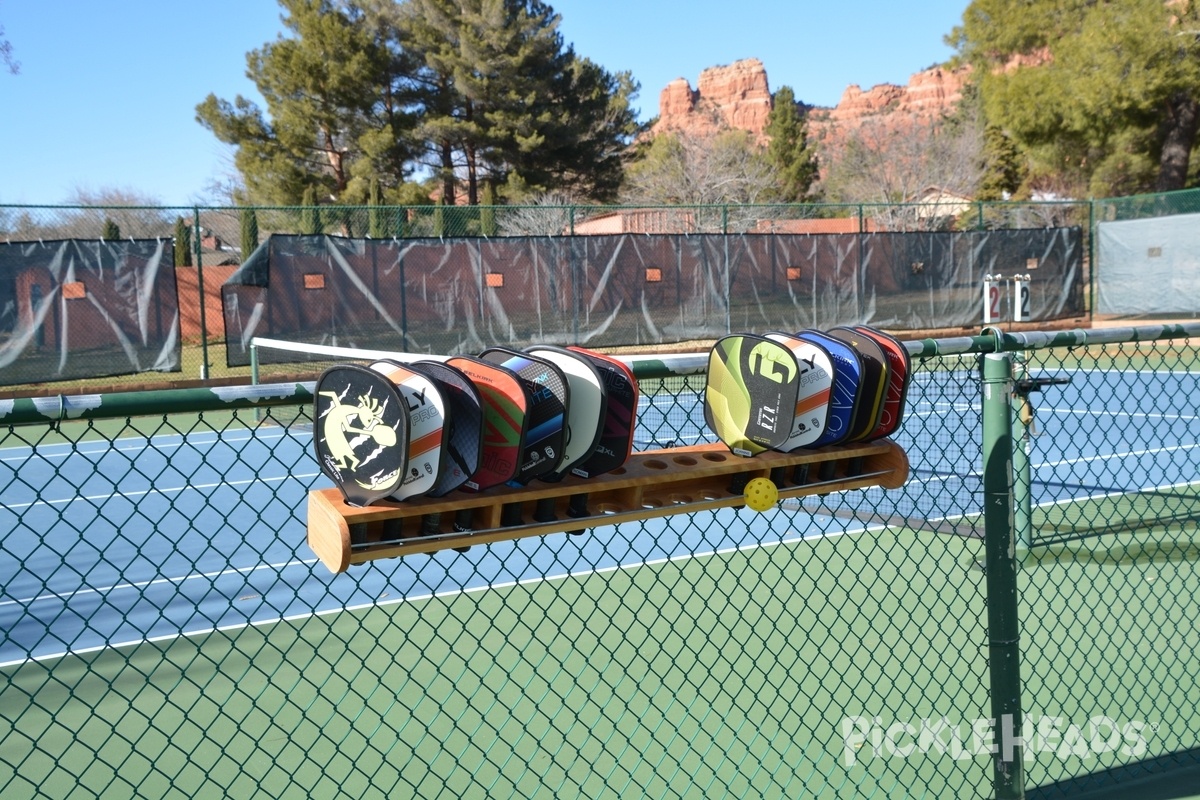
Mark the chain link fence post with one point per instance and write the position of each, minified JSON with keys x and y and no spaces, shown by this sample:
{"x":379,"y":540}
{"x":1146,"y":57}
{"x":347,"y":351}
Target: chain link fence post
{"x":199,"y":248}
{"x":1000,"y":552}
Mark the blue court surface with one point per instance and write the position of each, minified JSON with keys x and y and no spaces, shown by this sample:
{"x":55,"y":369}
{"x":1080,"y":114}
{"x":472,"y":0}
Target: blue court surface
{"x":107,"y":546}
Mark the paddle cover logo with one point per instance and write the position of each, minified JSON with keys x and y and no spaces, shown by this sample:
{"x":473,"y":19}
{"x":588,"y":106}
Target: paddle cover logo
{"x":361,"y":433}
{"x":750,"y":397}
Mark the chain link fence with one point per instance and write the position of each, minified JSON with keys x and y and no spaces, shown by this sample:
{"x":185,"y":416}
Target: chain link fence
{"x":166,"y":632}
{"x":209,"y":243}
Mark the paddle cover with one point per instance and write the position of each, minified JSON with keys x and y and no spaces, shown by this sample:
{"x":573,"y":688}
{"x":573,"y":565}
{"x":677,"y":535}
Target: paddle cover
{"x":542,"y":450}
{"x":462,"y":448}
{"x":847,"y":377}
{"x":750,"y":396}
{"x":815,"y":390}
{"x":426,"y":427}
{"x":505,"y":406}
{"x":360,"y":433}
{"x":587,"y":409}
{"x":615,"y":442}
{"x":899,"y":377}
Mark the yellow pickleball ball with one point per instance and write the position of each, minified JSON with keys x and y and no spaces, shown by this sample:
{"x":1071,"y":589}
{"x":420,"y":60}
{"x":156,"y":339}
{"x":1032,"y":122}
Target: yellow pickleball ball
{"x":761,"y":494}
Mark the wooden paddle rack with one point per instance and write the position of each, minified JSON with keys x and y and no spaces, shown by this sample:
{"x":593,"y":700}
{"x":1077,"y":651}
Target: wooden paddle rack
{"x":655,"y":483}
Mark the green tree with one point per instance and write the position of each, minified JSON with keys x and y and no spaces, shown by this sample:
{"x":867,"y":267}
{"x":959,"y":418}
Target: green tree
{"x":788,"y":150}
{"x":183,"y":243}
{"x":376,"y":228}
{"x":112,"y":231}
{"x":1102,"y":95}
{"x":310,"y":213}
{"x":338,"y":105}
{"x":249,"y":232}
{"x":506,"y":100}
{"x":487,"y":211}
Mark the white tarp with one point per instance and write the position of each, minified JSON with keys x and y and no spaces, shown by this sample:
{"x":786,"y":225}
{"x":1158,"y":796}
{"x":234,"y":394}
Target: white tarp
{"x":1149,"y":266}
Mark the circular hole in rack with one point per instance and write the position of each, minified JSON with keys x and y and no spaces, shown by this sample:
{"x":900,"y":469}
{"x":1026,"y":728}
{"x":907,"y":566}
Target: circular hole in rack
{"x":680,"y":499}
{"x":684,"y":461}
{"x":651,"y":502}
{"x":609,"y":508}
{"x":654,"y":463}
{"x":718,"y":457}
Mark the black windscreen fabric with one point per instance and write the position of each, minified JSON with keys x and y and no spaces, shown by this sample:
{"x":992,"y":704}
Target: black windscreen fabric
{"x":74,"y":308}
{"x":456,"y":296}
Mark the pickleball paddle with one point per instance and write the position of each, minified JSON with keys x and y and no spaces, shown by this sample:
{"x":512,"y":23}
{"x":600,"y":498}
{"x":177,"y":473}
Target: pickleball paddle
{"x":360,"y":433}
{"x":815,"y":389}
{"x":549,"y":396}
{"x":585,"y":415}
{"x":874,"y":381}
{"x":899,"y":377}
{"x":751,"y":391}
{"x":426,"y":417}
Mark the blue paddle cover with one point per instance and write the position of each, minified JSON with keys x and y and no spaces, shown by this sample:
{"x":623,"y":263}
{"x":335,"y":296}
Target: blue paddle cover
{"x":847,"y":378}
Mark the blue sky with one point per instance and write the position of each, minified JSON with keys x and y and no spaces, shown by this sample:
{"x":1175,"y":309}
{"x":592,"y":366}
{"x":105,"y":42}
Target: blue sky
{"x":107,"y":91}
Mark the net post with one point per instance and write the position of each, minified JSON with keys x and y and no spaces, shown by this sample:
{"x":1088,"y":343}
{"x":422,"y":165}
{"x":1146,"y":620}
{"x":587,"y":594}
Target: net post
{"x":254,"y":362}
{"x":1000,"y":548}
{"x":254,"y":372}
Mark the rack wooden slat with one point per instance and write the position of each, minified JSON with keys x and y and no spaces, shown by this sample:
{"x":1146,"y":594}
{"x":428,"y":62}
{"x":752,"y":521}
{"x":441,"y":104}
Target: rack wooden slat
{"x":654,"y":483}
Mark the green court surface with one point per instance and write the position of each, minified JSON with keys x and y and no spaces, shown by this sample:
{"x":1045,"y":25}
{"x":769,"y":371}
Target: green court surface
{"x":644,"y":681}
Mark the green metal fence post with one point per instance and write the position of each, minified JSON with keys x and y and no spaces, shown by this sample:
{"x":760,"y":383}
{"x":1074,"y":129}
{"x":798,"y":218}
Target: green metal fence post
{"x":1022,"y":473}
{"x":200,"y":290}
{"x":1001,"y":564}
{"x":1092,"y":265}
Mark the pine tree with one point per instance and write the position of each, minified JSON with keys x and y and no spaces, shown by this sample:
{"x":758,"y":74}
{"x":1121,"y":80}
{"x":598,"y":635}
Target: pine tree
{"x":375,"y":225}
{"x":487,"y":211}
{"x":505,"y":97}
{"x":249,"y":232}
{"x":339,"y":105}
{"x":310,"y":212}
{"x":788,"y":150}
{"x":112,"y":232}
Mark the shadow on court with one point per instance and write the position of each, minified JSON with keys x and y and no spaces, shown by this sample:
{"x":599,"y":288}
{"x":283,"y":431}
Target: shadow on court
{"x":1170,"y":777}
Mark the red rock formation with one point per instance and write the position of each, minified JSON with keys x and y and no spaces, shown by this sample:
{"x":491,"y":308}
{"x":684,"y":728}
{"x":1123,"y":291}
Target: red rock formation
{"x":737,"y":96}
{"x":733,"y":96}
{"x":928,"y":94}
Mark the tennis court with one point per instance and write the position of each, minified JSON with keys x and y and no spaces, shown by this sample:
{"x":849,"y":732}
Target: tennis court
{"x":208,"y":528}
{"x":149,"y":545}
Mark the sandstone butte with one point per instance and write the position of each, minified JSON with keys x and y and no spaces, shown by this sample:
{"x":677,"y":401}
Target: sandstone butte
{"x":738,"y":96}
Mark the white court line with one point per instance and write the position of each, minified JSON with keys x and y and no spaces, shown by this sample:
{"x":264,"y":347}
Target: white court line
{"x":537,"y":579}
{"x":1174,"y":372}
{"x":1088,"y":412}
{"x":1104,"y":495}
{"x":171,"y":490}
{"x":157,"y":581}
{"x":126,"y":444}
{"x":1152,"y":451}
